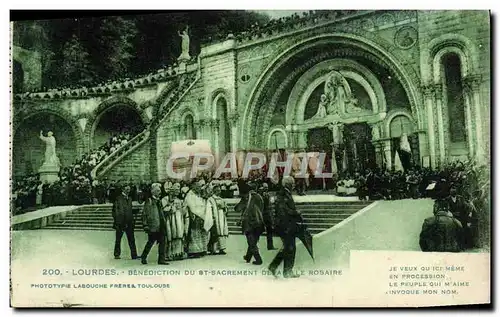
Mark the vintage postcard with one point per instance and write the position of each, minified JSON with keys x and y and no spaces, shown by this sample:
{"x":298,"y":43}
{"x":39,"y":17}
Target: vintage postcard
{"x":340,"y":158}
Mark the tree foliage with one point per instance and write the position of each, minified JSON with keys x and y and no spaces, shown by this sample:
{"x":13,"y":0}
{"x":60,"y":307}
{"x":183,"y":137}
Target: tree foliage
{"x":115,"y":47}
{"x":76,"y":66}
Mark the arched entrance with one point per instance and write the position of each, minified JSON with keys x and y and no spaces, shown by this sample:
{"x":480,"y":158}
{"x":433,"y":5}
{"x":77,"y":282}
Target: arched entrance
{"x":223,"y":138}
{"x":28,"y":150}
{"x":115,"y":120}
{"x":333,"y":89}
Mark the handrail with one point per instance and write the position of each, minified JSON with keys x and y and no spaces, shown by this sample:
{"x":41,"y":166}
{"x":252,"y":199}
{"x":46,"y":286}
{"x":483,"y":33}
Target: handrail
{"x":116,"y":156}
{"x":142,"y":137}
{"x":133,"y":143}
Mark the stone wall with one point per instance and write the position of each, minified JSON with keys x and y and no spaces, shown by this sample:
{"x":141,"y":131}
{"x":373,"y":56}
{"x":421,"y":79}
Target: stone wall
{"x":465,"y":33}
{"x":28,"y":151}
{"x":31,"y":65}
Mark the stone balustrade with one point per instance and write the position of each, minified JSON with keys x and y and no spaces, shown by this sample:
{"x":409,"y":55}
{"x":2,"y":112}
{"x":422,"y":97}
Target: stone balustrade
{"x":126,"y":85}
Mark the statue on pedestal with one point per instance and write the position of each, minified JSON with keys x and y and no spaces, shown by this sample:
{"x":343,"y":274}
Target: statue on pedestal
{"x":185,"y":45}
{"x":51,"y":158}
{"x":51,"y":165}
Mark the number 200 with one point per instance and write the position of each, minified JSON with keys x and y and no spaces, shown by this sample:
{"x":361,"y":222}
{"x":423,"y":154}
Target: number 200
{"x":51,"y":272}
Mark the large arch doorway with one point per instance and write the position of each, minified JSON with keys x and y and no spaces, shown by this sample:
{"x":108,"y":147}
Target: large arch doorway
{"x":358,"y":148}
{"x":28,"y":150}
{"x":376,"y":79}
{"x":114,"y":121}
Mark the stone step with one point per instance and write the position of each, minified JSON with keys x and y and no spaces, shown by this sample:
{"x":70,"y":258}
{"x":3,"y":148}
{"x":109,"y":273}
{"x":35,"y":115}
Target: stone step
{"x":302,"y":209}
{"x":318,"y":217}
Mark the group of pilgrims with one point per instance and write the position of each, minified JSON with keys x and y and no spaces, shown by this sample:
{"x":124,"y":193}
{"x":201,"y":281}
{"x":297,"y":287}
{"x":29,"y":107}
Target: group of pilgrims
{"x":191,"y":221}
{"x":185,"y":222}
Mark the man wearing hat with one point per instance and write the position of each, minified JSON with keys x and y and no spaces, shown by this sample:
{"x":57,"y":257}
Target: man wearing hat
{"x":155,"y":225}
{"x":267,"y":214}
{"x":287,"y":226}
{"x":441,"y":232}
{"x":123,"y":222}
{"x":251,"y":220}
{"x":462,"y":211}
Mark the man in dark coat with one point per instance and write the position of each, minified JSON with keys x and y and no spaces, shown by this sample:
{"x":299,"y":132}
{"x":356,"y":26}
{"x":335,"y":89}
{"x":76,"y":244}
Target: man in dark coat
{"x":123,"y":221}
{"x":286,"y":225}
{"x":112,"y":191}
{"x":462,"y":211}
{"x":267,"y":215}
{"x":155,"y":225}
{"x":441,"y":232}
{"x":252,"y":222}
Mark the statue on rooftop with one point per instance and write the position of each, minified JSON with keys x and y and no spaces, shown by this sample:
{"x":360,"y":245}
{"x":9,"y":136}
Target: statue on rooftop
{"x":184,"y":45}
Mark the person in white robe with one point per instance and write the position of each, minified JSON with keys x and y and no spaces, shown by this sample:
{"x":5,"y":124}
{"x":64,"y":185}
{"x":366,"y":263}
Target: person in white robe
{"x":177,"y":219}
{"x":219,"y":232}
{"x":200,"y":220}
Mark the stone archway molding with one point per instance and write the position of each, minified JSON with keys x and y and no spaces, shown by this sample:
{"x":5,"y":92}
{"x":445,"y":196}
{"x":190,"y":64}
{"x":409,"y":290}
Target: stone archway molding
{"x":447,"y":43}
{"x":317,"y":75}
{"x":408,"y":80}
{"x":273,"y":130}
{"x":394,"y":114}
{"x":32,"y":109}
{"x":116,"y":101}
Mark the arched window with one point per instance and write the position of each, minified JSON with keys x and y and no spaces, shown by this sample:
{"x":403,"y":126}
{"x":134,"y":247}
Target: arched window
{"x":454,"y":97}
{"x":190,"y":131}
{"x":224,"y":129}
{"x":399,"y":125}
{"x":277,"y":140}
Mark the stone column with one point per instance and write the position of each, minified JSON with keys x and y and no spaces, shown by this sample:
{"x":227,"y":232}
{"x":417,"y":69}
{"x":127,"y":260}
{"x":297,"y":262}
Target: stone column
{"x":470,"y":125}
{"x":175,"y":132}
{"x":214,"y":137}
{"x":302,"y":139}
{"x":386,"y":145}
{"x":234,"y":120}
{"x":428,"y":92}
{"x":379,"y":151}
{"x":473,"y":82}
{"x":441,"y":122}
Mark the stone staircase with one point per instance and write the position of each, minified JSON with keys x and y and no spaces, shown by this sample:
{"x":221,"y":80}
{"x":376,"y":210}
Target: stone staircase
{"x":319,"y":216}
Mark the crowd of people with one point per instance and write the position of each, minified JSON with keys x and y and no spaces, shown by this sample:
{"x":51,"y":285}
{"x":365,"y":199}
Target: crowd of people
{"x":283,"y":24}
{"x":75,"y":185}
{"x":187,"y":221}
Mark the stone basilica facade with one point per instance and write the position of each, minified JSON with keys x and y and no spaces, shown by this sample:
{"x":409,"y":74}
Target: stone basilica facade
{"x":355,"y":84}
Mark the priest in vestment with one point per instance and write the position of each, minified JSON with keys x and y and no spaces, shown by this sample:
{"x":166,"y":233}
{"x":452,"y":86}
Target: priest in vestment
{"x":177,"y":218}
{"x":200,"y":220}
{"x":219,"y":231}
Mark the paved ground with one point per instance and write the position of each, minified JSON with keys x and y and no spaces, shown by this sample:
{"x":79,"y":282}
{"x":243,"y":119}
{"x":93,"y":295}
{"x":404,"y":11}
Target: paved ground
{"x":386,"y":226}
